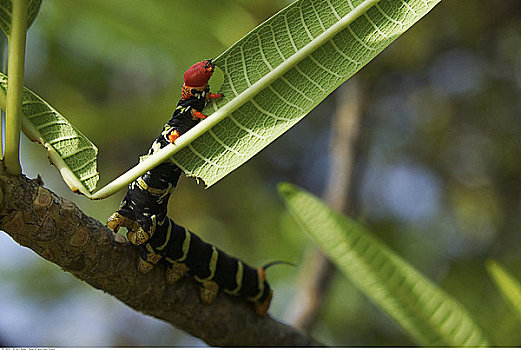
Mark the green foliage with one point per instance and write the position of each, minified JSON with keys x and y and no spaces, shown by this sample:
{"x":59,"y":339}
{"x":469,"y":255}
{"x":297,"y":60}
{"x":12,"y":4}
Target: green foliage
{"x":425,"y":312}
{"x":6,"y":14}
{"x":510,"y":288}
{"x":283,"y":68}
{"x":71,"y":152}
{"x":278,"y":73}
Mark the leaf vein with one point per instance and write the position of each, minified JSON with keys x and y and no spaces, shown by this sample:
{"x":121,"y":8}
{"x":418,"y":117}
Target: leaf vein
{"x":41,"y":113}
{"x":318,"y":16}
{"x":263,"y":56}
{"x":309,"y":79}
{"x":249,"y":131}
{"x":83,"y":165}
{"x":285,"y":100}
{"x":203,"y":158}
{"x":76,"y":151}
{"x":389,"y":18}
{"x":343,"y":54}
{"x":333,"y":9}
{"x":310,"y":36}
{"x":51,"y":123}
{"x":289,"y":34}
{"x":359,"y":40}
{"x":63,"y":138}
{"x":409,"y":7}
{"x":276,"y":45}
{"x":228,"y":148}
{"x":295,"y":89}
{"x":324,"y":68}
{"x":244,"y":68}
{"x":269,"y":114}
{"x":88,"y":176}
{"x":375,"y":26}
{"x":232,"y":86}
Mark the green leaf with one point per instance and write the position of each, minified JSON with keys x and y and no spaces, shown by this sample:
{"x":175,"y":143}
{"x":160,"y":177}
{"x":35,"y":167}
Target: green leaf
{"x":278,"y":73}
{"x":6,"y":14}
{"x":510,"y":288}
{"x":282,"y":69}
{"x":68,"y":149}
{"x":424,"y":311}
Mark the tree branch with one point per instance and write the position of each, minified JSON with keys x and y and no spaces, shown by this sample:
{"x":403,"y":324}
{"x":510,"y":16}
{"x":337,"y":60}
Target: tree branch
{"x":56,"y":229}
{"x":317,"y":272}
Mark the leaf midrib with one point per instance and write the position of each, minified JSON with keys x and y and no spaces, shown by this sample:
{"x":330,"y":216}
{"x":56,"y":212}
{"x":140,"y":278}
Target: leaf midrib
{"x":206,"y":124}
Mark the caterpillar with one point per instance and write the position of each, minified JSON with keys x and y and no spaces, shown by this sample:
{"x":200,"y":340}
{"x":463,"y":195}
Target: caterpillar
{"x":185,"y":252}
{"x":147,"y":197}
{"x":143,"y":212}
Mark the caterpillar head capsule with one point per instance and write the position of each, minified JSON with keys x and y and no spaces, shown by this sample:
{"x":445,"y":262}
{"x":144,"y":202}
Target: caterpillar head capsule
{"x":197,"y":76}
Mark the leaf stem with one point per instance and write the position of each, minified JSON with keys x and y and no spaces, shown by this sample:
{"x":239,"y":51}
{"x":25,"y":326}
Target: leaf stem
{"x":15,"y":69}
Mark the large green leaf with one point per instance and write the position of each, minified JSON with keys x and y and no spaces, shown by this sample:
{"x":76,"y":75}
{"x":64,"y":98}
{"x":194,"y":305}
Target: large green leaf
{"x":6,"y":14}
{"x":279,"y":72}
{"x":425,"y":312}
{"x":283,"y":68}
{"x":68,"y":149}
{"x":510,"y":288}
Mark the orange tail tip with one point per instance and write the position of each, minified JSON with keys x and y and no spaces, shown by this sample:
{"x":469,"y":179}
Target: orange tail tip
{"x":262,"y":274}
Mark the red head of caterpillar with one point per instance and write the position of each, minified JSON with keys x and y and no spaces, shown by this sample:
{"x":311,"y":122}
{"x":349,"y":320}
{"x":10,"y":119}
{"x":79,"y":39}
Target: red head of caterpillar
{"x":197,"y":76}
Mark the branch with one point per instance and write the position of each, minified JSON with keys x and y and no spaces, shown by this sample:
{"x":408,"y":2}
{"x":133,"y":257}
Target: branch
{"x":15,"y":69}
{"x":56,"y":229}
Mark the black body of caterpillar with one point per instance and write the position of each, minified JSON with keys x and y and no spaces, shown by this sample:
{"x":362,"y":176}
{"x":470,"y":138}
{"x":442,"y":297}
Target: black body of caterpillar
{"x":184,"y":251}
{"x":143,"y":212}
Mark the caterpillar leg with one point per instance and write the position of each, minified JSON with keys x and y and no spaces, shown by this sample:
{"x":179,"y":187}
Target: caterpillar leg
{"x":211,"y":96}
{"x":208,"y":291}
{"x":148,"y":259}
{"x":175,"y":271}
{"x":136,"y":234}
{"x":117,"y":220}
{"x":139,"y":236}
{"x":173,"y":136}
{"x":198,"y":115}
{"x":262,"y":308}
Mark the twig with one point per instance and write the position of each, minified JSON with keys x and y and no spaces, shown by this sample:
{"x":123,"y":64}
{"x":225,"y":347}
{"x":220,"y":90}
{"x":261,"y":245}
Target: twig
{"x":15,"y":69}
{"x":317,"y":271}
{"x":57,"y":230}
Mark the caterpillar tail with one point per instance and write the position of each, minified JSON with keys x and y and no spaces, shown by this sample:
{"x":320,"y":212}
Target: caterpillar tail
{"x":184,"y":253}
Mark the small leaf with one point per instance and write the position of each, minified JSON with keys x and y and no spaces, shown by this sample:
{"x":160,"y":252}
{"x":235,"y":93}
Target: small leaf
{"x":6,"y":14}
{"x":423,"y":310}
{"x":68,"y":149}
{"x":510,"y":288}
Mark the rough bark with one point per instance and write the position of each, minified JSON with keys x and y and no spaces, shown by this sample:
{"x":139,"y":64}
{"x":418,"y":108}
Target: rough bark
{"x":56,"y":229}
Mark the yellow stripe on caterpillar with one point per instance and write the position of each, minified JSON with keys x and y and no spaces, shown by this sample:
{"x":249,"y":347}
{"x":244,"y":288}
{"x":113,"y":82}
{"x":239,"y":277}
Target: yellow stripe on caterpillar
{"x":155,"y":191}
{"x":238,"y":279}
{"x":213,"y":263}
{"x":212,"y":266}
{"x":260,"y":280}
{"x":168,"y":234}
{"x":186,"y":246}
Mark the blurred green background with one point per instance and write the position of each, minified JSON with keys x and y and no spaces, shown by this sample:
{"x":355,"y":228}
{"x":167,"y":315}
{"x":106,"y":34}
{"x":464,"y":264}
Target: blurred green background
{"x":439,"y":167}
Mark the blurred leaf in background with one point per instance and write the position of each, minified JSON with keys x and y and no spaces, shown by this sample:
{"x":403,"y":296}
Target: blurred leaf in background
{"x":424,"y":311}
